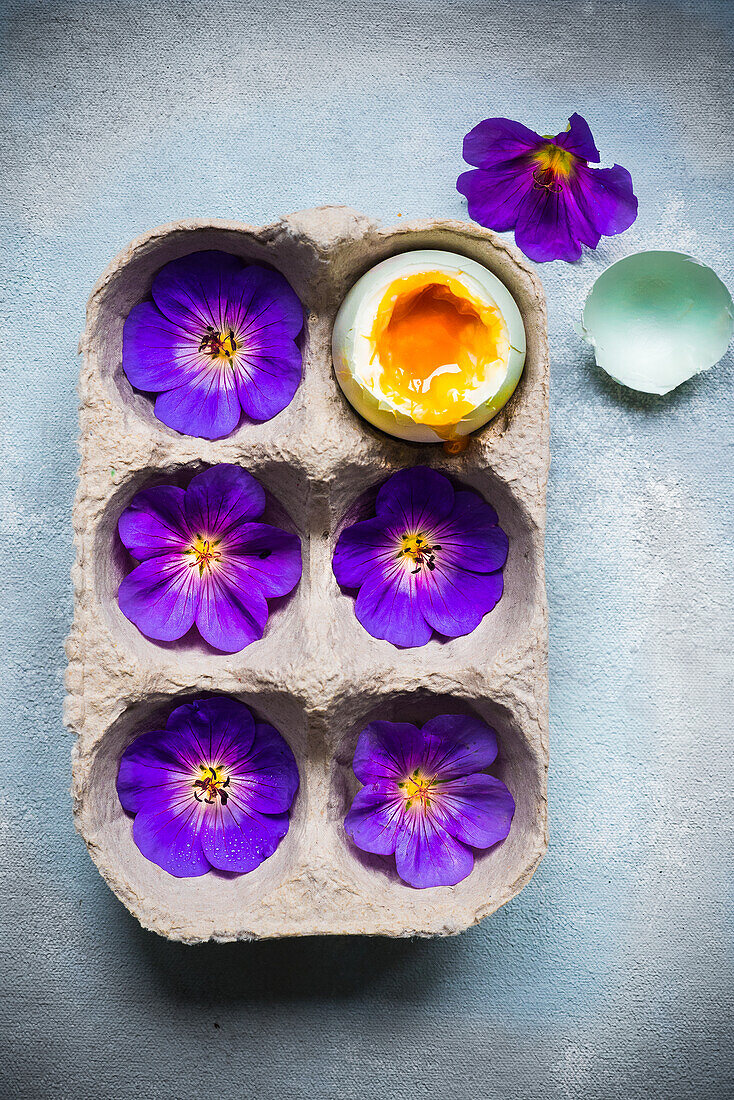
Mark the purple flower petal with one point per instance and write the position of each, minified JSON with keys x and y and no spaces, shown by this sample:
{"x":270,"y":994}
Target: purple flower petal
{"x":161,"y":596}
{"x":604,"y":198}
{"x":425,"y":855}
{"x":237,"y":838}
{"x":375,"y":818}
{"x":271,"y":557}
{"x":546,"y":228}
{"x":199,"y":787}
{"x":594,"y":201}
{"x":206,"y":405}
{"x":193,"y":291}
{"x":157,"y":354}
{"x":551,"y":198}
{"x":454,"y":601}
{"x":232,"y":610}
{"x":263,"y":779}
{"x":205,"y":560}
{"x":387,"y":751}
{"x":221,"y":499}
{"x":155,"y":523}
{"x":425,"y":797}
{"x":498,"y":139}
{"x":266,"y":775}
{"x":470,"y":537}
{"x":153,"y":763}
{"x":424,"y":562}
{"x":267,"y":381}
{"x":169,"y":835}
{"x":578,"y":139}
{"x":263,"y":305}
{"x":415,"y":497}
{"x":218,"y":730}
{"x":474,"y":809}
{"x":495,"y":195}
{"x":217,"y":339}
{"x":361,"y":548}
{"x":387,"y":606}
{"x":458,"y":745}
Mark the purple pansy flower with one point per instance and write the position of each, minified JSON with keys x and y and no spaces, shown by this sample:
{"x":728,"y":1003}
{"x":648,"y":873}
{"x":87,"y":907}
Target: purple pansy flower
{"x":204,"y":561}
{"x":426,"y":797}
{"x":217,"y":340}
{"x":543,"y":188}
{"x":431,"y":559}
{"x":213,"y":789}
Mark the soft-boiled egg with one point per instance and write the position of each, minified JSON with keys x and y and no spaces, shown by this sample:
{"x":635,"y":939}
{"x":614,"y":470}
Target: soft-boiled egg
{"x":428,"y":345}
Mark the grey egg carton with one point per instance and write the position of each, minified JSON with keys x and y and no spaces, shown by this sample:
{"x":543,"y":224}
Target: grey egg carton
{"x":316,"y":675}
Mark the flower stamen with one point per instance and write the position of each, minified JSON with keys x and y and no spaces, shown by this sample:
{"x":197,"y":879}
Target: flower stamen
{"x":555,"y":165}
{"x":417,"y":789}
{"x":417,"y":549}
{"x":204,"y":553}
{"x":211,"y":785}
{"x":219,"y":344}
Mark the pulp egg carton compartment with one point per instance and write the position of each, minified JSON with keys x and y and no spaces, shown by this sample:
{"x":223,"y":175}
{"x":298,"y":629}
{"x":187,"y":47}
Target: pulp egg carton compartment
{"x":316,"y":674}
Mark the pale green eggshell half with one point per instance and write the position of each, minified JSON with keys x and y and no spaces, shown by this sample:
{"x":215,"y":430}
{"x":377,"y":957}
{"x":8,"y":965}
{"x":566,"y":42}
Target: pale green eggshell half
{"x":655,"y":319}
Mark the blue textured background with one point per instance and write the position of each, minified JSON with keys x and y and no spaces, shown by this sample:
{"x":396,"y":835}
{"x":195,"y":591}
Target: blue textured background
{"x":611,"y":974}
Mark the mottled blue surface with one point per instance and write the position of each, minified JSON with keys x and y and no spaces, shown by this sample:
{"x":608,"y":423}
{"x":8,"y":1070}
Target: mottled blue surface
{"x":611,"y":974}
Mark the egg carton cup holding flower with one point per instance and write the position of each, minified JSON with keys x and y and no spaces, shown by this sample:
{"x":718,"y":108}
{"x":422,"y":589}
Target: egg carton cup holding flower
{"x":316,"y":674}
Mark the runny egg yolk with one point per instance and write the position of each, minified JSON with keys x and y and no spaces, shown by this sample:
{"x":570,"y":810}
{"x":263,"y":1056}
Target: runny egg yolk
{"x":435,"y":344}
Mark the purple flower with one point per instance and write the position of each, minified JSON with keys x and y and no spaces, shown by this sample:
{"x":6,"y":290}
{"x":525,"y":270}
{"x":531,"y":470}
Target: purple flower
{"x":426,"y":797}
{"x":544,"y":189}
{"x":217,"y":340}
{"x":204,"y":561}
{"x":213,"y":789}
{"x":431,"y":559}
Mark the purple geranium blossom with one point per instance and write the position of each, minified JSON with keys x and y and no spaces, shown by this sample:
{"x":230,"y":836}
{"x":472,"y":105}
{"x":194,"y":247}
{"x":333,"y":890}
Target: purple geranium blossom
{"x":204,"y":561}
{"x":426,"y":797}
{"x":213,"y":789}
{"x":431,"y":559}
{"x":217,"y":340}
{"x":543,"y":188}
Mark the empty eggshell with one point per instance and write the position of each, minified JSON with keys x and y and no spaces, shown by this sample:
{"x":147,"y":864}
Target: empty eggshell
{"x":362,"y":376}
{"x":655,"y":319}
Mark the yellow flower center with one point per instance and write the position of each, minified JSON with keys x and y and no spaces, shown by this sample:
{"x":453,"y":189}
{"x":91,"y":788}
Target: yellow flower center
{"x":203,"y":553}
{"x":555,"y":165}
{"x":219,"y":345}
{"x":210,"y":785}
{"x":417,"y":789}
{"x":415,"y":549}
